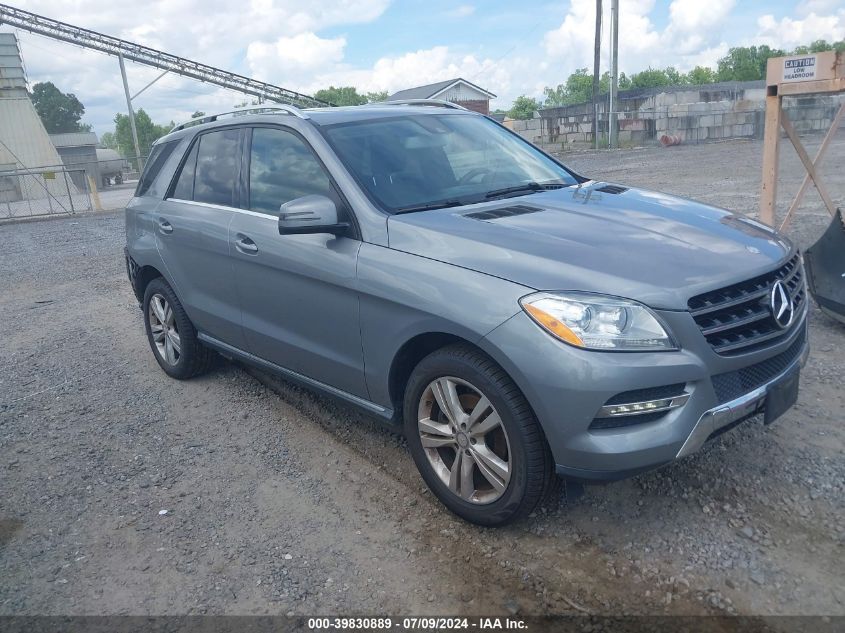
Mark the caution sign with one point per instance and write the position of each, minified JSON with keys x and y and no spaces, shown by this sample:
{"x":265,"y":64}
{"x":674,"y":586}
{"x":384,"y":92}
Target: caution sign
{"x":799,"y":68}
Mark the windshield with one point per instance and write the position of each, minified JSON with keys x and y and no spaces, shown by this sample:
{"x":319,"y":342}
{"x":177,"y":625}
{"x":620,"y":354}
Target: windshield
{"x":418,"y":162}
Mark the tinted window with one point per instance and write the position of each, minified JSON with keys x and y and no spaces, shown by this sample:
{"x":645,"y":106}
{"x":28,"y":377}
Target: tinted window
{"x":282,"y":168}
{"x":218,"y":158}
{"x":407,"y":161}
{"x":184,"y":189}
{"x":155,"y":161}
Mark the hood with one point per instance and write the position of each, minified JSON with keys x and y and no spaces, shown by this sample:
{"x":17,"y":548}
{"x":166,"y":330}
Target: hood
{"x":643,"y":245}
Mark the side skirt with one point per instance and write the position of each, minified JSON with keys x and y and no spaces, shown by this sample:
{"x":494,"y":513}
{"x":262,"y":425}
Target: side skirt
{"x":383,"y":414}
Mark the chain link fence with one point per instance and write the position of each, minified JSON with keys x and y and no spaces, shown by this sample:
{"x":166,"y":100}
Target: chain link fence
{"x":66,"y":189}
{"x":43,"y":191}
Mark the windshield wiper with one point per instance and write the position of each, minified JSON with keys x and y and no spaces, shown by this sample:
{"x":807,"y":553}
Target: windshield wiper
{"x":429,"y":206}
{"x":526,"y":186}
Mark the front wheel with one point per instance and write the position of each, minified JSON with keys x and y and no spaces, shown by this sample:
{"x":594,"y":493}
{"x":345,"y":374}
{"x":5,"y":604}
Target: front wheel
{"x":474,"y":438}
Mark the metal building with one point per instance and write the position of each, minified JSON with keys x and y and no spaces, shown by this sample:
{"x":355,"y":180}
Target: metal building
{"x":30,"y":166}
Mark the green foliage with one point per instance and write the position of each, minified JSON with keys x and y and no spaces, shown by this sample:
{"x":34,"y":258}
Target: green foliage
{"x":148,"y":133}
{"x":701,"y":75}
{"x":579,"y":88}
{"x":344,"y":96}
{"x":742,"y":63}
{"x":108,"y":140}
{"x":198,"y":114}
{"x":376,"y":97}
{"x":746,"y":63}
{"x":650,"y":78}
{"x":523,"y":108}
{"x":59,"y":112}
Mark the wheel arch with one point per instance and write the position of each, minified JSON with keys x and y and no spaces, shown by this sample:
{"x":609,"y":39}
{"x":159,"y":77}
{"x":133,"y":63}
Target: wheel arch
{"x":412,"y":352}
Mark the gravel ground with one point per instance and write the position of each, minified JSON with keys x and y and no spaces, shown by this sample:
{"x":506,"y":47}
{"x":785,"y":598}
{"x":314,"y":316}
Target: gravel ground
{"x":124,"y":491}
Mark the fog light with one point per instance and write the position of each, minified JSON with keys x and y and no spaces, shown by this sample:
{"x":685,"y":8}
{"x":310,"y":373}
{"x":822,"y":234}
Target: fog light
{"x":647,"y":406}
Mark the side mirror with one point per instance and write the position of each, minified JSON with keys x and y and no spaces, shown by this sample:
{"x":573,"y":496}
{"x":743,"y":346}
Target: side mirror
{"x":310,"y":214}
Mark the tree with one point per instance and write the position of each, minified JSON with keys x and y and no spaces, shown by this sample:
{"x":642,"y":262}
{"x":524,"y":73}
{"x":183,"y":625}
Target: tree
{"x":701,"y":75}
{"x":524,"y":108}
{"x":148,"y":133}
{"x":675,"y":78}
{"x":377,"y":97}
{"x":650,"y":78}
{"x":577,"y":89}
{"x":344,"y":96}
{"x":59,"y":112}
{"x":746,"y":63}
{"x":198,"y":114}
{"x":108,"y":140}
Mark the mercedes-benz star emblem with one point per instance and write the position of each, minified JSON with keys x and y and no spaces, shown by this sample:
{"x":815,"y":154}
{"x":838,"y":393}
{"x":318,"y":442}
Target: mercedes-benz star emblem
{"x":782,"y":309}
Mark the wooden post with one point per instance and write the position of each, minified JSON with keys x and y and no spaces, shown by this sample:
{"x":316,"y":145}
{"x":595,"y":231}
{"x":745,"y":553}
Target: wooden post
{"x":771,"y":153}
{"x":812,"y":73}
{"x":95,"y":195}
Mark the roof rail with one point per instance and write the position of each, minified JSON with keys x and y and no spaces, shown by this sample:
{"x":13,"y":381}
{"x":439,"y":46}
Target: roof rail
{"x":438,"y":103}
{"x":274,"y":109}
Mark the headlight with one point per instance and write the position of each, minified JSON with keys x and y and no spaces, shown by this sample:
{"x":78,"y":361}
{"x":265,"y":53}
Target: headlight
{"x":598,"y":322}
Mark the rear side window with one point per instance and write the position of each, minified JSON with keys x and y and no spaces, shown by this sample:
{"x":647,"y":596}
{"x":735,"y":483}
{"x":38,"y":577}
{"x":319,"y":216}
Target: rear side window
{"x":282,"y":168}
{"x":155,"y":161}
{"x":210,"y":172}
{"x":185,"y":184}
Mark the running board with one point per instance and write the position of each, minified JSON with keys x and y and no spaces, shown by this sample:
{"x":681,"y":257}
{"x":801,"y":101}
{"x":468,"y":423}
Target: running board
{"x":260,"y":363}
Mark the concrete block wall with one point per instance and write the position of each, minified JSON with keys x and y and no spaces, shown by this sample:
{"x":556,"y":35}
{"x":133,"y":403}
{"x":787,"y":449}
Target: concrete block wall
{"x":708,"y":113}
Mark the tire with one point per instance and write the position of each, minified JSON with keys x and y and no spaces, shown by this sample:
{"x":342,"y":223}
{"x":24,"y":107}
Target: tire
{"x":481,"y":489}
{"x":181,"y":356}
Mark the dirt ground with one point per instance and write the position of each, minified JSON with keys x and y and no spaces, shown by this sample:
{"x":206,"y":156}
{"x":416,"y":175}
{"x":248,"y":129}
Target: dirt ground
{"x":125,"y":492}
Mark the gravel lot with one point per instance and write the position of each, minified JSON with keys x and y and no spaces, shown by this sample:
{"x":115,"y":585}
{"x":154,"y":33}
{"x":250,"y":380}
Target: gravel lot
{"x":124,"y":491}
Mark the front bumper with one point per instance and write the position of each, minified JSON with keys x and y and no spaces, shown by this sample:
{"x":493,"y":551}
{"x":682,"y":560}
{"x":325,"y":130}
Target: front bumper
{"x":567,"y":386}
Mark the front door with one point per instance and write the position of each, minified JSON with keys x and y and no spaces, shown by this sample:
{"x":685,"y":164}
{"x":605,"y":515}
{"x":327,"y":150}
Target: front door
{"x":297,"y":292}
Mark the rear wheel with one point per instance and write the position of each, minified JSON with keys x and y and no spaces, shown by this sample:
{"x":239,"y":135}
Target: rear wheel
{"x":474,"y":438}
{"x":172,"y":336}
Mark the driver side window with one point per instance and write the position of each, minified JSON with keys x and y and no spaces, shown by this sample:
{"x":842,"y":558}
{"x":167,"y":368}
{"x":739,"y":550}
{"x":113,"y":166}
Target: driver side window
{"x":282,"y":168}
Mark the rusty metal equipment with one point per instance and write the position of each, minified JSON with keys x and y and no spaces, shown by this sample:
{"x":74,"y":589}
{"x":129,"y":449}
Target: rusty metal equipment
{"x":802,"y":75}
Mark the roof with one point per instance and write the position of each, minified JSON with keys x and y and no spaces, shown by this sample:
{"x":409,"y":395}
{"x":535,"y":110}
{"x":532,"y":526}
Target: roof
{"x":74,"y":139}
{"x":323,"y":116}
{"x":431,"y":90}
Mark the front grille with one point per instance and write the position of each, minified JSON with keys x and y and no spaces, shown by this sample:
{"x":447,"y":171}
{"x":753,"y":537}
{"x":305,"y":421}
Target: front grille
{"x":733,"y":384}
{"x":738,"y":319}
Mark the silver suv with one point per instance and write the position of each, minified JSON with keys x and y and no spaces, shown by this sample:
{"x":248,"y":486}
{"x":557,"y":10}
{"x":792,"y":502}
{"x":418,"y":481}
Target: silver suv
{"x":514,"y":319}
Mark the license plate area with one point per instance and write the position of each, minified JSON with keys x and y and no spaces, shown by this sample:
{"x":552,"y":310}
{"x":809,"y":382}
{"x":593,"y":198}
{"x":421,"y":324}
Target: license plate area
{"x":781,"y":396}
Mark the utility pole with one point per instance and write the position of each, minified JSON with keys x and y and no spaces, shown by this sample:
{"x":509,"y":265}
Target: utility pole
{"x":596,"y":69}
{"x":131,"y":112}
{"x":614,"y":72}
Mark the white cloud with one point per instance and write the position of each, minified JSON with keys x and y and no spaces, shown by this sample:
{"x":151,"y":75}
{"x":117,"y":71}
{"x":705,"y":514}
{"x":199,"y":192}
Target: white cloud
{"x":305,"y":51}
{"x":788,"y":33}
{"x":692,"y":37}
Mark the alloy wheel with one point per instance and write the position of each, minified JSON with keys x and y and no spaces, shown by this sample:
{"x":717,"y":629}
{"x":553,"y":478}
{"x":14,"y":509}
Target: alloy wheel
{"x":163,"y":329}
{"x":464,"y":440}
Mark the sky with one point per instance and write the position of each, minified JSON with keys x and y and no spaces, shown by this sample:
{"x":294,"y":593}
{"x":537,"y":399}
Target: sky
{"x":509,"y":48}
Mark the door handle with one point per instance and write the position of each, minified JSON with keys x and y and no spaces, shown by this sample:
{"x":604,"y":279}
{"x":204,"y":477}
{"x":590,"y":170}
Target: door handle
{"x":245,"y":245}
{"x":164,"y":226}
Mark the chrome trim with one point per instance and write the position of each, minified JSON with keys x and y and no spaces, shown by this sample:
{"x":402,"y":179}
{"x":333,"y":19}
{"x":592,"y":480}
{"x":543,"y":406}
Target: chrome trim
{"x":280,"y":108}
{"x":311,"y":382}
{"x":440,"y":103}
{"x":222,"y":207}
{"x":674,"y":403}
{"x":725,"y":414}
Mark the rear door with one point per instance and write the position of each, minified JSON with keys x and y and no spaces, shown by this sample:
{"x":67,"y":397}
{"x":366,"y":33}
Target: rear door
{"x":300,"y":306}
{"x":192,"y":232}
